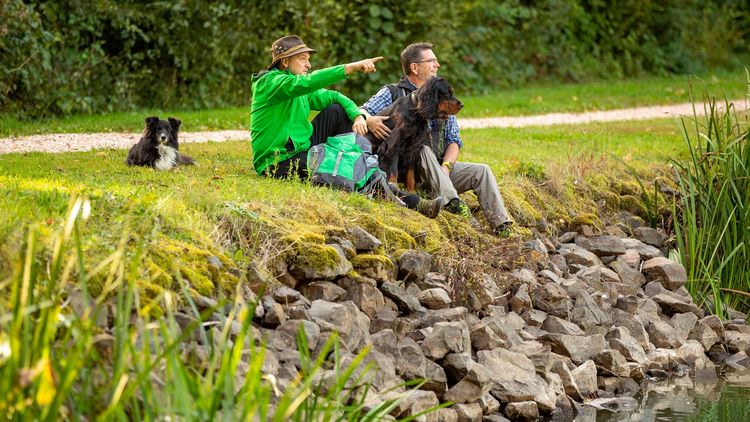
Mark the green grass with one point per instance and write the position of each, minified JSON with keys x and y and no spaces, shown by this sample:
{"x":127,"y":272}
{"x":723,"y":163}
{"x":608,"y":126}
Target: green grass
{"x":524,"y":101}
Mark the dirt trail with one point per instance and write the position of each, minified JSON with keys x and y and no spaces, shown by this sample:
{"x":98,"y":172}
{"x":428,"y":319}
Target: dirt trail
{"x":64,"y":142}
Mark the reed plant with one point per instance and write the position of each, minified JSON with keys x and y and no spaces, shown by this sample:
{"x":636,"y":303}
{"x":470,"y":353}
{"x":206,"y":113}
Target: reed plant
{"x":66,"y":354}
{"x":712,"y":214}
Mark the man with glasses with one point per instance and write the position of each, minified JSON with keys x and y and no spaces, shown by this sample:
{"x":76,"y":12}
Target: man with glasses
{"x":440,"y":169}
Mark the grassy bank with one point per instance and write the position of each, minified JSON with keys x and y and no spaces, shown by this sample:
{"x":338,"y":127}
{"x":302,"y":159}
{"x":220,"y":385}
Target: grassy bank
{"x":591,"y":96}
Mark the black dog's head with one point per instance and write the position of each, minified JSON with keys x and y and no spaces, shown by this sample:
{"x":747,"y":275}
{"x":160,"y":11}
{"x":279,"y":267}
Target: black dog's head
{"x":162,"y":132}
{"x":435,"y":100}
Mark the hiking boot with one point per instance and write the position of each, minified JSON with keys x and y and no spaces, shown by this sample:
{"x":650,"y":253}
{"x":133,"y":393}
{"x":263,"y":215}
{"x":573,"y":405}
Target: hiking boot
{"x":431,"y":207}
{"x":459,"y":207}
{"x":504,"y":230}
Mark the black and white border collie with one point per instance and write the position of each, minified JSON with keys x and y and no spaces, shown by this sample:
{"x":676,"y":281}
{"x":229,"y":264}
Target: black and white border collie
{"x":158,"y":145}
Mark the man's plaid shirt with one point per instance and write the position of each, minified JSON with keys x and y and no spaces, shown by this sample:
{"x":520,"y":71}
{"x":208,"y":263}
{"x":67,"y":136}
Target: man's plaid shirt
{"x":382,"y":100}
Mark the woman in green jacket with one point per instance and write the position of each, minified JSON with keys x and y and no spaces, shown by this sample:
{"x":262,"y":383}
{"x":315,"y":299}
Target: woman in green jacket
{"x":283,"y":95}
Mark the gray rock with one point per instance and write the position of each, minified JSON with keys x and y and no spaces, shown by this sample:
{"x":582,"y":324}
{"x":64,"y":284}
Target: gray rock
{"x":704,"y":334}
{"x":521,"y":301}
{"x":405,"y":302}
{"x":738,"y":361}
{"x":737,"y":342}
{"x":570,"y":387}
{"x":715,"y":323}
{"x":376,"y":267}
{"x":293,"y":327}
{"x":663,"y":335}
{"x":514,"y":379}
{"x":577,"y":255}
{"x":364,"y":241}
{"x":534,"y":317}
{"x":553,"y":299}
{"x":589,"y":316}
{"x":274,"y":315}
{"x":416,"y":402}
{"x":567,"y":237}
{"x":669,"y":273}
{"x":474,"y":385}
{"x":578,"y":348}
{"x":489,"y":404}
{"x":628,"y":304}
{"x":671,"y":305}
{"x":631,"y":258}
{"x":468,"y":412}
{"x":386,"y":342}
{"x":413,"y":265}
{"x":602,"y":245}
{"x":507,"y":327}
{"x":683,"y":324}
{"x":627,"y":274}
{"x":352,"y":325}
{"x":522,"y":411}
{"x":484,"y":338}
{"x":433,"y":280}
{"x":346,"y":246}
{"x":585,"y":378}
{"x":557,"y":325}
{"x":436,"y":298}
{"x":446,"y":415}
{"x":325,"y":290}
{"x":535,"y":245}
{"x":650,"y":236}
{"x":620,"y":339}
{"x":285,"y":296}
{"x":690,"y":352}
{"x":447,"y":337}
{"x":705,"y":370}
{"x":366,"y":296}
{"x":613,"y":363}
{"x":524,"y":276}
{"x":645,"y":251}
{"x":325,"y":263}
{"x":550,"y":276}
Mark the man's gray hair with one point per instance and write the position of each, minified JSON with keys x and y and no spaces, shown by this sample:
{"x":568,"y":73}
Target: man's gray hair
{"x":412,"y":54}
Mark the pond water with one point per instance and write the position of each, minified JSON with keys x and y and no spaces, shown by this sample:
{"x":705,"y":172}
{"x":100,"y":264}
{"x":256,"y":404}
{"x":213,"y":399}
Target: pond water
{"x":680,"y":399}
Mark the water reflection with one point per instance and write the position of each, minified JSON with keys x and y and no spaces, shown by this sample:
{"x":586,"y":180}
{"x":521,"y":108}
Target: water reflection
{"x":681,"y":399}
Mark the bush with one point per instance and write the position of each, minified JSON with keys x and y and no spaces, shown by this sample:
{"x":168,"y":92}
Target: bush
{"x":90,"y":57}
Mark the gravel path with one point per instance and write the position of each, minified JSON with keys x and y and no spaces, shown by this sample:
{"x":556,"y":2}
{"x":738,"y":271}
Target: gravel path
{"x":63,"y":142}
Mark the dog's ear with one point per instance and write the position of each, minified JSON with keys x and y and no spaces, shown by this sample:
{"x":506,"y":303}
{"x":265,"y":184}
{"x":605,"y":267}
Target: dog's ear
{"x":427,"y":98}
{"x":174,"y":124}
{"x":151,"y":122}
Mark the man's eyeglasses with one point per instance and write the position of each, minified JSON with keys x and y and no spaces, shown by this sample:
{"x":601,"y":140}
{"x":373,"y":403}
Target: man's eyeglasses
{"x":428,"y":61}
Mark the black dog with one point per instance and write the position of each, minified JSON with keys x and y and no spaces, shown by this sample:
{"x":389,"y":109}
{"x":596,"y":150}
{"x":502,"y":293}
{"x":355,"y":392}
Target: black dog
{"x":158,"y":145}
{"x":409,"y":124}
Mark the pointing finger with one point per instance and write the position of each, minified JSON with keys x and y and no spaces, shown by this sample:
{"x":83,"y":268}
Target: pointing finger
{"x":377,"y":59}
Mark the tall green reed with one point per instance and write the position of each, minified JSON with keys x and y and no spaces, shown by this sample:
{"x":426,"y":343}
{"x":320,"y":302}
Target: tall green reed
{"x":712,"y":215}
{"x":66,"y":354}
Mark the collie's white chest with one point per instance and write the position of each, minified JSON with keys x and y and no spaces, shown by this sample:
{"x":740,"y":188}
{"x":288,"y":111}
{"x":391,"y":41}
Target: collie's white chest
{"x":167,"y":157}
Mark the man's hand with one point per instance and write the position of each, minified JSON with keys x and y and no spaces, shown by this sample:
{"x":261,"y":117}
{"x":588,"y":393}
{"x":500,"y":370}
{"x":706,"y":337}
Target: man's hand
{"x":378,"y":128}
{"x":364,"y":66}
{"x":360,"y":125}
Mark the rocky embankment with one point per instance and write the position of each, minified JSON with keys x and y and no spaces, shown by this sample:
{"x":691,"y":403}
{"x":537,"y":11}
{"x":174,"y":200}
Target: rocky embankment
{"x":587,"y":322}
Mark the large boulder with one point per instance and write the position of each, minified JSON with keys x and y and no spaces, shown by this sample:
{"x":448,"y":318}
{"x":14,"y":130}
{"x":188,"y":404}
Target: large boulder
{"x":345,"y":318}
{"x":669,"y":273}
{"x":514,"y":379}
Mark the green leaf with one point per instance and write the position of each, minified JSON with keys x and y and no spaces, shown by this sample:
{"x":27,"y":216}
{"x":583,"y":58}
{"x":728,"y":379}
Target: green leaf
{"x":374,"y":11}
{"x":386,"y":13}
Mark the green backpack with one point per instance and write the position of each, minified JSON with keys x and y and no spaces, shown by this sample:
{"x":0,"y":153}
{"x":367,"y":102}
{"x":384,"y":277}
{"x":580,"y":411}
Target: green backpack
{"x":346,"y":162}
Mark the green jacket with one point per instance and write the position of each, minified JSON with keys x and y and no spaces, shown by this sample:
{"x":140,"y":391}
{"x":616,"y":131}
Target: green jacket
{"x":280,"y":107}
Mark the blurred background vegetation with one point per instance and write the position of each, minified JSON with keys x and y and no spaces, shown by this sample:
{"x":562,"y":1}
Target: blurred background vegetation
{"x":95,"y":56}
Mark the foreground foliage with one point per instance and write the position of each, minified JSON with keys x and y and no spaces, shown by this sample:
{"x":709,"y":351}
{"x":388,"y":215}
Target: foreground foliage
{"x":712,"y":222}
{"x":68,"y":354}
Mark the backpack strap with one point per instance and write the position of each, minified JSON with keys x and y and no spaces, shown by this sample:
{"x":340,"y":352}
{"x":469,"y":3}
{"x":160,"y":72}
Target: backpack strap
{"x":393,"y":89}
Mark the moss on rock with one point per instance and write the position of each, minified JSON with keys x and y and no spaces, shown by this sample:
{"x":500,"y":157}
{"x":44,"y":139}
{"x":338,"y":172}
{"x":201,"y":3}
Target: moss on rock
{"x":377,"y":267}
